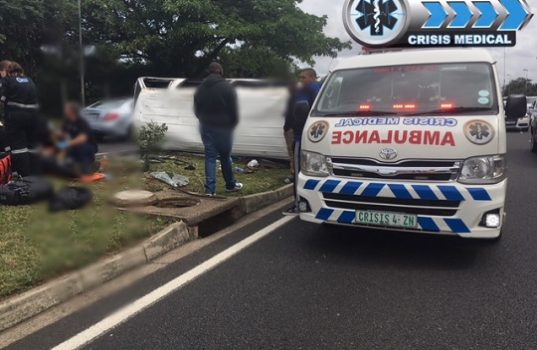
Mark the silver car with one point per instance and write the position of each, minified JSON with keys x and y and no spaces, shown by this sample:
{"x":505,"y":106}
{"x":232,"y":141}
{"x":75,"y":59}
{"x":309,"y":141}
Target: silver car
{"x":110,"y":118}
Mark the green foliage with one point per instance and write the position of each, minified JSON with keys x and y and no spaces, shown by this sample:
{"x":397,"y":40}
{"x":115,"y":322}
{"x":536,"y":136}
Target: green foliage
{"x":253,"y":38}
{"x":149,"y":138}
{"x":26,"y":25}
{"x":180,"y":37}
{"x":520,"y":86}
{"x":253,"y":62}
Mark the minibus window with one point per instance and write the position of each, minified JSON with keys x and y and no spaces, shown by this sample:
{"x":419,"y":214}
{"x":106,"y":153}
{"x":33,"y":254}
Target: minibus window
{"x":429,"y":89}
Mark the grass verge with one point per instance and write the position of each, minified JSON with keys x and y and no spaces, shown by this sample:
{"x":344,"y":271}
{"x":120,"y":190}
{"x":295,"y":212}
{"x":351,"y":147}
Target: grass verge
{"x":36,"y":245}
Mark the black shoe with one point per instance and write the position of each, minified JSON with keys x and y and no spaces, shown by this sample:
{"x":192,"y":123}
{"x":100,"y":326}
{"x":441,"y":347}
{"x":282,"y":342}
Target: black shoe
{"x":293,"y":211}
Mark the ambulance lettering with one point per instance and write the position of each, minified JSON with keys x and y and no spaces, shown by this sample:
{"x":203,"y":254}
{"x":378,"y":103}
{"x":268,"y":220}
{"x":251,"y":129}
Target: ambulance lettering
{"x":415,"y":137}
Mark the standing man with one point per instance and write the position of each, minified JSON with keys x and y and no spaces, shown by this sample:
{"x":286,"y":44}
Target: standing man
{"x":289,"y":126}
{"x":306,"y":94}
{"x":216,"y":107}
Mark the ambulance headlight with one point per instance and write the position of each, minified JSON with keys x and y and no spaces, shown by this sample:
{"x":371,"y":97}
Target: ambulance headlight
{"x":483,"y":170}
{"x":314,"y":164}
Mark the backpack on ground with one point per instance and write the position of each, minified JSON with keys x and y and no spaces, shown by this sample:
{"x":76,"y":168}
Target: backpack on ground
{"x":70,"y":198}
{"x":24,"y":191}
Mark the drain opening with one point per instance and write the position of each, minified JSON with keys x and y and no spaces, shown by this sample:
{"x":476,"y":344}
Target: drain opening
{"x":178,"y":203}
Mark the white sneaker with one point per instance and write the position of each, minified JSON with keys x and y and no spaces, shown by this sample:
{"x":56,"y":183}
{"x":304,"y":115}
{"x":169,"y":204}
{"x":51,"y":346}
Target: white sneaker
{"x":238,"y":187}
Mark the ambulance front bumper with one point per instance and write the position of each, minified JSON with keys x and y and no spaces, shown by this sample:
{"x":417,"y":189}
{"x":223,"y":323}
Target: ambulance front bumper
{"x":444,"y":208}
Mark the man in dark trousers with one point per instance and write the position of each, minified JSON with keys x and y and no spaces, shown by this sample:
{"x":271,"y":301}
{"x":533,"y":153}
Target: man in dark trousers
{"x":289,"y":126}
{"x":216,"y":107}
{"x":306,"y":94}
{"x":78,"y":141}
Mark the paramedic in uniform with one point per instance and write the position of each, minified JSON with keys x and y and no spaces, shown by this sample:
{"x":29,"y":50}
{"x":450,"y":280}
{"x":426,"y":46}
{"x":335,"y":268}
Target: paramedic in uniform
{"x":3,"y":144}
{"x":18,"y":94}
{"x":306,"y":94}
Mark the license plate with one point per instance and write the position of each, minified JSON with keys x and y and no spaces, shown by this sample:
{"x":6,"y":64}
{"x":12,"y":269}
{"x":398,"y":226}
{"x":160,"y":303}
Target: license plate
{"x":380,"y":218}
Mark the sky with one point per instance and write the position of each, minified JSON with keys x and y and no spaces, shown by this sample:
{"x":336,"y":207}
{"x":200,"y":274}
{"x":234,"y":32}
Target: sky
{"x":523,"y":55}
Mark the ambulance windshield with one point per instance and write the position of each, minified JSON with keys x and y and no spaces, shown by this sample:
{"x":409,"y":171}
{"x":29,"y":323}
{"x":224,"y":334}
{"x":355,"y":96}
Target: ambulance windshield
{"x":428,"y":89}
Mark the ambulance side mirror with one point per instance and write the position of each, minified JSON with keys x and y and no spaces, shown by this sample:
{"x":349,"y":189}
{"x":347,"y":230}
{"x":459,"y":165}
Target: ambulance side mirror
{"x":301,"y":111}
{"x":516,"y":107}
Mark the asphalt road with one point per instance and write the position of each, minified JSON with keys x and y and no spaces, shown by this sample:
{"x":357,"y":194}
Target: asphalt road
{"x":309,"y":287}
{"x":115,"y":147}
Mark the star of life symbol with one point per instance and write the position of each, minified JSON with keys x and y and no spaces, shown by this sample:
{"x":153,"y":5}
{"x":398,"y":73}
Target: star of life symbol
{"x":318,"y":131}
{"x":377,"y":15}
{"x":375,"y":22}
{"x":479,"y":132}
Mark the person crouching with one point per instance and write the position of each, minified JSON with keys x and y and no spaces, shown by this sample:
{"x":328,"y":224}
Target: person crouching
{"x":77,"y":141}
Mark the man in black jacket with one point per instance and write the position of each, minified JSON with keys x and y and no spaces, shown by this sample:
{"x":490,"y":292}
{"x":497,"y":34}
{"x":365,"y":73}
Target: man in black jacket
{"x":215,"y":105}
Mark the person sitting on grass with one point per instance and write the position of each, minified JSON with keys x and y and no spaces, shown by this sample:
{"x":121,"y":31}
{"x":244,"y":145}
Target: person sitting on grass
{"x":77,"y":141}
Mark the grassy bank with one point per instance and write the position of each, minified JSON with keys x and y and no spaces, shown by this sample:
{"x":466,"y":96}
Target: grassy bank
{"x":36,"y":245}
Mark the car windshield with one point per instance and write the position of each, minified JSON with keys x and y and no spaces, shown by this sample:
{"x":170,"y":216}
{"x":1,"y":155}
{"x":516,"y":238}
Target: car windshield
{"x":428,"y":89}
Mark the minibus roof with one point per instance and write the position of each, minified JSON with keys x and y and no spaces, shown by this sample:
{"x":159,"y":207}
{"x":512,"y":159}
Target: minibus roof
{"x":415,"y":56}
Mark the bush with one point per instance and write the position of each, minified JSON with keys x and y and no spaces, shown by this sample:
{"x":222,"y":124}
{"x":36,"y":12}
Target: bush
{"x":149,"y":138}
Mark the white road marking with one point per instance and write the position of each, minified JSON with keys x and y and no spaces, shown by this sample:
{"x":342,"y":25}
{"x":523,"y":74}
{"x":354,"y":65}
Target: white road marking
{"x":153,"y":297}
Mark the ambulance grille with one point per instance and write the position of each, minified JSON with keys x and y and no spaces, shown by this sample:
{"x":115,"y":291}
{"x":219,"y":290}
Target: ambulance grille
{"x":410,"y":170}
{"x":407,"y":206}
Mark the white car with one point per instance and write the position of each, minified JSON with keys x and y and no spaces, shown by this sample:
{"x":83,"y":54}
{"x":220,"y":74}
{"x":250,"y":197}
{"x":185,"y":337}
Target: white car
{"x":411,"y":141}
{"x":110,"y":118}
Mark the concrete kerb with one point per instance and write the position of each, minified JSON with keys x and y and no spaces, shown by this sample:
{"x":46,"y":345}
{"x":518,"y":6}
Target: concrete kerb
{"x":249,"y":204}
{"x":28,"y":304}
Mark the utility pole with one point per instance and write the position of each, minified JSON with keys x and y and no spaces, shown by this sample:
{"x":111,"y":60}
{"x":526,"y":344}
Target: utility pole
{"x":81,"y":53}
{"x":504,"y":66}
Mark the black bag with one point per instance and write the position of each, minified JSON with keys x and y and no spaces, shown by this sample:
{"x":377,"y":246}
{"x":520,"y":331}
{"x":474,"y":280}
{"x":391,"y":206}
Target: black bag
{"x":24,"y":191}
{"x":70,"y":198}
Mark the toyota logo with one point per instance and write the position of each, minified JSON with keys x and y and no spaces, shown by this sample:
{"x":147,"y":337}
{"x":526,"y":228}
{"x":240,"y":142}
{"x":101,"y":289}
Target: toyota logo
{"x":388,"y":154}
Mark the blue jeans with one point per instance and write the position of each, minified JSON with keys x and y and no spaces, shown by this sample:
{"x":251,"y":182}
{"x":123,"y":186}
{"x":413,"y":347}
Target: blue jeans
{"x":218,"y":142}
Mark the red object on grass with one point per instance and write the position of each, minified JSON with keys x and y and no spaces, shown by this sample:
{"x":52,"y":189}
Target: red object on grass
{"x":5,"y":170}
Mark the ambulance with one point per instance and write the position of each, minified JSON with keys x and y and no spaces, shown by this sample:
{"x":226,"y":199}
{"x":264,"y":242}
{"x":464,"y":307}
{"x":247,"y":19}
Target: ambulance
{"x":410,"y":141}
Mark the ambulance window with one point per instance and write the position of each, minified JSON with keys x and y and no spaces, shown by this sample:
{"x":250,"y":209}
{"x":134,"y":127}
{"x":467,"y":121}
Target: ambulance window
{"x":436,"y":89}
{"x":333,"y":94}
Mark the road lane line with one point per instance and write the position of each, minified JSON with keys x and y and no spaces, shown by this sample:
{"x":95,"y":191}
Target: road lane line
{"x":153,"y":297}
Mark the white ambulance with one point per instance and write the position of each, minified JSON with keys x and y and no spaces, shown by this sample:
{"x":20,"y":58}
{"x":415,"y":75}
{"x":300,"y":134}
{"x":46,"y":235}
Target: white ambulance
{"x":408,"y":141}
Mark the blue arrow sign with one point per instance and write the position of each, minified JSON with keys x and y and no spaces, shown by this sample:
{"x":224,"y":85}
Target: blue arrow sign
{"x":488,"y":14}
{"x":517,"y":14}
{"x":463,"y":15}
{"x":438,"y":15}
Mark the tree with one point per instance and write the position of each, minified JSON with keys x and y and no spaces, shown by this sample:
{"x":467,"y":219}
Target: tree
{"x":521,"y":86}
{"x":181,"y":37}
{"x":26,"y":25}
{"x":252,"y":62}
